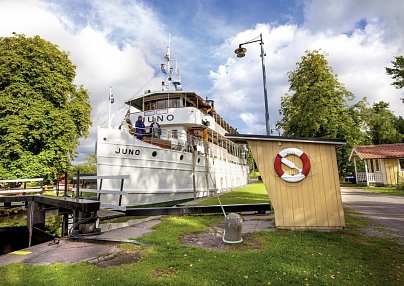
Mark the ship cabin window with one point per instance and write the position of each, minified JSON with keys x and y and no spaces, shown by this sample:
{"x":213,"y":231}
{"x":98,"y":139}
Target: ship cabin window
{"x":175,"y":102}
{"x":162,"y":104}
{"x":150,"y":105}
{"x":174,"y":134}
{"x":188,"y":102}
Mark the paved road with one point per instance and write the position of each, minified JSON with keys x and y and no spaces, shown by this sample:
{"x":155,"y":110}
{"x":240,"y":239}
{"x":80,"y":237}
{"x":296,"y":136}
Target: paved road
{"x":388,"y":211}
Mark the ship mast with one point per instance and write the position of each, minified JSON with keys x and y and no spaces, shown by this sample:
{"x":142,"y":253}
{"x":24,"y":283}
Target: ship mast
{"x":167,"y":69}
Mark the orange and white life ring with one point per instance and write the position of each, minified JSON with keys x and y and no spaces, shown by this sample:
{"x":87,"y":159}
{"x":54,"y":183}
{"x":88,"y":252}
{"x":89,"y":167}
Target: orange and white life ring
{"x":281,"y":159}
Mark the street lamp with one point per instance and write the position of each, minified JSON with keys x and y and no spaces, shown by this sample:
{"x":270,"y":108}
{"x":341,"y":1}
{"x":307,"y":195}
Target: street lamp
{"x":240,"y":52}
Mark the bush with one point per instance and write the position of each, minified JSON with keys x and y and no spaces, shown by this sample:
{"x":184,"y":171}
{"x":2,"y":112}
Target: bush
{"x":400,"y":186}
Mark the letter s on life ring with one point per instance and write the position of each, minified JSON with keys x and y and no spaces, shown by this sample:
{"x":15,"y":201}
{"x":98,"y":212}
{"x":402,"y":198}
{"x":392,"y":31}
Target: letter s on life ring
{"x":280,"y":158}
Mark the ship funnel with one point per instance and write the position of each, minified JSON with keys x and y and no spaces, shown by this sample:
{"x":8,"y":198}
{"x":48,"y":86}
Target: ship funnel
{"x":211,"y":102}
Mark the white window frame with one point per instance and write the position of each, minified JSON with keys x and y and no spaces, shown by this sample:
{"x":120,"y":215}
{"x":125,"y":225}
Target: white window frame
{"x":401,"y":164}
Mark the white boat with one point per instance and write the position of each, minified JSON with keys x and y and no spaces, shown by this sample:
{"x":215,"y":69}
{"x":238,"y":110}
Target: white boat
{"x":188,"y":157}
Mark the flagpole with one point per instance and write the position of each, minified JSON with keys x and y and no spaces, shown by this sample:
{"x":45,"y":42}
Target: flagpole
{"x":109,"y":107}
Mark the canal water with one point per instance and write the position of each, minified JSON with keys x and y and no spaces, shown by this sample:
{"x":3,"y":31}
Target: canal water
{"x":14,"y":233}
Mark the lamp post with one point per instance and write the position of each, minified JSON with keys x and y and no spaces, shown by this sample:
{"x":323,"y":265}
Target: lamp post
{"x":240,"y":51}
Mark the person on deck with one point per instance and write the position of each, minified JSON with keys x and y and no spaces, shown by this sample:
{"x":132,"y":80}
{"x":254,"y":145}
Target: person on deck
{"x":127,"y":125}
{"x":155,"y":128}
{"x":140,"y":127}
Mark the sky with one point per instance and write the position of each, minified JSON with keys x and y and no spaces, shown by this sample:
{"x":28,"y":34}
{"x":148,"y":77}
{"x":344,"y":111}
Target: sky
{"x":121,"y":43}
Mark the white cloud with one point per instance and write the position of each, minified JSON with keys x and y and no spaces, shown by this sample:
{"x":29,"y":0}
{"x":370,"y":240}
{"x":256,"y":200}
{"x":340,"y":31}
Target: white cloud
{"x":101,"y":60}
{"x":358,"y":58}
{"x":342,"y":16}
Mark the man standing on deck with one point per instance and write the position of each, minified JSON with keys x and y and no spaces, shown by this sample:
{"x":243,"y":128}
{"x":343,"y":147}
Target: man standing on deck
{"x":140,"y":127}
{"x":155,"y":128}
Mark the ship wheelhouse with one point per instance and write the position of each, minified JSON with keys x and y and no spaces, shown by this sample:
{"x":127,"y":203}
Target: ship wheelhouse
{"x":185,"y":119}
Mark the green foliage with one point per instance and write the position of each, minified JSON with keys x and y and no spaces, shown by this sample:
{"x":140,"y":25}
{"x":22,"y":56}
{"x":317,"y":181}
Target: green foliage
{"x":381,"y":124}
{"x":318,"y":107}
{"x":399,"y":124}
{"x":250,"y":160}
{"x":53,"y":225}
{"x":397,"y":71}
{"x":88,"y":167}
{"x":42,"y":113}
{"x":255,"y":174}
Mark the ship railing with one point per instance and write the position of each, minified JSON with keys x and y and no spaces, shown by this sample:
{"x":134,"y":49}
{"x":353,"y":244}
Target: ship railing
{"x":100,"y":190}
{"x":181,"y":141}
{"x":178,"y":140}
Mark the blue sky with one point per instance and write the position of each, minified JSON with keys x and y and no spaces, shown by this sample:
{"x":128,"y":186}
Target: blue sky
{"x":121,"y":43}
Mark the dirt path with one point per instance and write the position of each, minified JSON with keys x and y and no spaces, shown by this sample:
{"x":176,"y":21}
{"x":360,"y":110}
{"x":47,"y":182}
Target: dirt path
{"x":387,"y":211}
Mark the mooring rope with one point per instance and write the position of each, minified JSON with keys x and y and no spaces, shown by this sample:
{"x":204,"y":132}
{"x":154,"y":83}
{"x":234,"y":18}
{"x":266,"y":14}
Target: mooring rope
{"x":215,"y":189}
{"x":80,"y":222}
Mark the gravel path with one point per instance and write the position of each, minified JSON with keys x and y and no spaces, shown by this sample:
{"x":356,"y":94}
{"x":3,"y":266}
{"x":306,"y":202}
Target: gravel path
{"x":386,"y":211}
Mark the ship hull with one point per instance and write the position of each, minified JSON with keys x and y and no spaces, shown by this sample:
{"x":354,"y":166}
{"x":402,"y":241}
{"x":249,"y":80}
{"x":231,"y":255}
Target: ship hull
{"x":158,"y":175}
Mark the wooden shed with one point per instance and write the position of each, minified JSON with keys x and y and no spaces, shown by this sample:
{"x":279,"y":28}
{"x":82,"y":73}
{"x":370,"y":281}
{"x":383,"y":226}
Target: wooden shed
{"x":379,"y":164}
{"x":301,"y":178}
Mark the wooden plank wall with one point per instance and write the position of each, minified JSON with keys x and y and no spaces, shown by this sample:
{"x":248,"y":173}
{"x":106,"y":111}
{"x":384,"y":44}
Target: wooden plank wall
{"x":315,"y":202}
{"x":391,"y":171}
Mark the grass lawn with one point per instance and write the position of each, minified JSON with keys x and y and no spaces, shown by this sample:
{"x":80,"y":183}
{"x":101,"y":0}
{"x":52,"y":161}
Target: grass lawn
{"x":250,"y":194}
{"x":346,"y":257}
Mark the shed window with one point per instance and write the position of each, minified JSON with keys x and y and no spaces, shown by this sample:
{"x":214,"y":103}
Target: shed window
{"x":401,"y":162}
{"x":370,"y":166}
{"x":377,"y":165}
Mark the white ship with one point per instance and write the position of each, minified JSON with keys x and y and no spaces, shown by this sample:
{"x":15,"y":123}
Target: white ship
{"x":185,"y":157}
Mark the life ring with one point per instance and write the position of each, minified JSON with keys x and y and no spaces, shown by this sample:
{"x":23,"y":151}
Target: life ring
{"x":280,"y":159}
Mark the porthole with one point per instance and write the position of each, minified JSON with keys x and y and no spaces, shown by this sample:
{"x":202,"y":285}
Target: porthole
{"x":154,"y":154}
{"x":181,"y":157}
{"x":199,"y":160}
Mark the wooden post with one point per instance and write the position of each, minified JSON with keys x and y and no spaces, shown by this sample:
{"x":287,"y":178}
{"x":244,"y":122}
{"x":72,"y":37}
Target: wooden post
{"x":356,"y":171}
{"x":366,"y":173}
{"x":35,"y":216}
{"x":120,"y":194}
{"x":65,"y":193}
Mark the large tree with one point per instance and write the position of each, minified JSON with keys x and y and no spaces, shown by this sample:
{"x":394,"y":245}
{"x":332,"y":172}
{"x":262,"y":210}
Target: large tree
{"x":318,"y":106}
{"x":381,"y":123}
{"x":399,"y":124}
{"x":397,"y":71}
{"x":42,"y":112}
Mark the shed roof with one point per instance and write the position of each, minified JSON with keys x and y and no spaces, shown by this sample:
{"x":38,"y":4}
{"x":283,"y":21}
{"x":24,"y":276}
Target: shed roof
{"x":382,"y":151}
{"x":243,"y":138}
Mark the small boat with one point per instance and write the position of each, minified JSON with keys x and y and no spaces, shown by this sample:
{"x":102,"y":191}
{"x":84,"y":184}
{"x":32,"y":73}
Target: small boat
{"x":183,"y":155}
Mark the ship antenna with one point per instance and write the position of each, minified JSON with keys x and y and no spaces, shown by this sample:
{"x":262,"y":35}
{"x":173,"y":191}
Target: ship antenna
{"x":169,"y":71}
{"x":177,"y":83}
{"x":166,"y":68}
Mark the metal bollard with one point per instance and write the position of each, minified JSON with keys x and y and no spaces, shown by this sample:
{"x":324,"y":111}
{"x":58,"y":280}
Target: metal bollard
{"x":232,"y":229}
